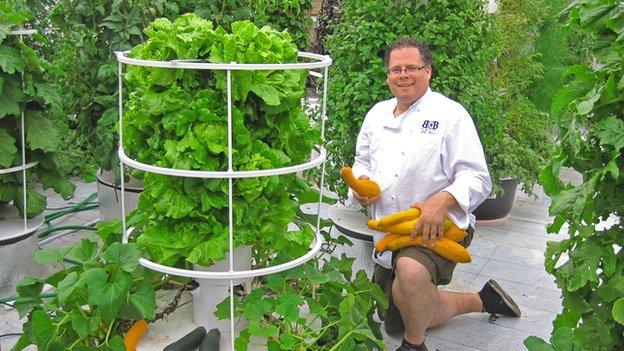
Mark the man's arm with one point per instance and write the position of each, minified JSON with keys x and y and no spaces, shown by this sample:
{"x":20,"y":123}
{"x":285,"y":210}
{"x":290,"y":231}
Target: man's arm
{"x":433,"y":213}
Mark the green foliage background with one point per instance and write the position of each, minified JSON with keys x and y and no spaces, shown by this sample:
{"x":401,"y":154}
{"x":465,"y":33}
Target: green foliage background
{"x":82,"y":35}
{"x":589,"y":265}
{"x":483,"y":61}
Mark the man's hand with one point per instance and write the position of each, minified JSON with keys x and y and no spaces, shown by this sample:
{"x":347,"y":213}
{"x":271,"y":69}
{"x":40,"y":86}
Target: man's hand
{"x":433,"y":213}
{"x":365,"y":201}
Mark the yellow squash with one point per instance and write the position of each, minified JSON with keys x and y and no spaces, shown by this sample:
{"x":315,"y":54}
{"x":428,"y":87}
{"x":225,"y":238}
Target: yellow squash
{"x":363,"y":187}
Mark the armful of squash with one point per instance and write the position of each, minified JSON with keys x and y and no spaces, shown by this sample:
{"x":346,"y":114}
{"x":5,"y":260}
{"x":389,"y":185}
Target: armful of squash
{"x":399,"y":227}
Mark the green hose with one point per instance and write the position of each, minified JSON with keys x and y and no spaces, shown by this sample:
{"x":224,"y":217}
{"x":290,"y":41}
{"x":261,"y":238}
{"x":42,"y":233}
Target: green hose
{"x":81,"y":206}
{"x":46,"y":232}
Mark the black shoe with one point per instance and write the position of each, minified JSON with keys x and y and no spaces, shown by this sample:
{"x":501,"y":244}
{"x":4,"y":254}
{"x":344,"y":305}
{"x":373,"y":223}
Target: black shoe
{"x":406,"y":346}
{"x":497,"y":301}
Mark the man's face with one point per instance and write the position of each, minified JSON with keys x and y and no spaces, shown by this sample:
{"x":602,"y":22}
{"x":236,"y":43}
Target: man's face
{"x":406,"y":79}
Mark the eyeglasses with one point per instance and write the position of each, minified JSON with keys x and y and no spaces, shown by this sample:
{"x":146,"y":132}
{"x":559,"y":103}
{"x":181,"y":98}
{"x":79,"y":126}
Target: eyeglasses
{"x":395,"y":71}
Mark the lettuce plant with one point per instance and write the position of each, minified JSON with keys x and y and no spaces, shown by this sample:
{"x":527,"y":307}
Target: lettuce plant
{"x":178,"y":119}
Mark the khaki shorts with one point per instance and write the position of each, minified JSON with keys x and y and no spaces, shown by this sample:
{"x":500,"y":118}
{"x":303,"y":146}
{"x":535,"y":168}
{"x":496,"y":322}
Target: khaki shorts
{"x":440,"y":269}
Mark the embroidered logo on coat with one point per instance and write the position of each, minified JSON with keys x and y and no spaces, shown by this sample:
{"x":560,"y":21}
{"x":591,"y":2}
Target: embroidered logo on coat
{"x":429,"y":127}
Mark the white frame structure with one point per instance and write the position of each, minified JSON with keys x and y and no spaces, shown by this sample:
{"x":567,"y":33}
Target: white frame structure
{"x":319,"y":62}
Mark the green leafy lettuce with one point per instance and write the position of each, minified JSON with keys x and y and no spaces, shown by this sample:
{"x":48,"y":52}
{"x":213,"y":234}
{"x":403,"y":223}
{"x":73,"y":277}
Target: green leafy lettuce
{"x":178,"y":119}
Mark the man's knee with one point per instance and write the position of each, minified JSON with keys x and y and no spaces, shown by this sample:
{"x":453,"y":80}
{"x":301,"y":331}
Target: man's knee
{"x":407,"y":269}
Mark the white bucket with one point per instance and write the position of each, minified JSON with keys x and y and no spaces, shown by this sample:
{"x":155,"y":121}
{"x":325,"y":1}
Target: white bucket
{"x":212,"y":291}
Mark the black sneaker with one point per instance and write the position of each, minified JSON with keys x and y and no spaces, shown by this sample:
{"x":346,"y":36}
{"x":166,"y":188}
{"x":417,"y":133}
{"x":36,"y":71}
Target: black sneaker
{"x":497,"y":301}
{"x":406,"y":346}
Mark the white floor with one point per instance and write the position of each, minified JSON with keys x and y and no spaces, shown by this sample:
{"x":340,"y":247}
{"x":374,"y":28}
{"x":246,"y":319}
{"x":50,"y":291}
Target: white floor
{"x":510,"y":251}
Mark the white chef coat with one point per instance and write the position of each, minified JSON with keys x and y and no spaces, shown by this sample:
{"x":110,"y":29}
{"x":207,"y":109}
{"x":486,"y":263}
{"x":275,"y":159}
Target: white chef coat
{"x":431,"y":147}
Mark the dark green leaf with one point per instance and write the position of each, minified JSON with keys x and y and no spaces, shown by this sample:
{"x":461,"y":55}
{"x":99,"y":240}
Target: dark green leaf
{"x":11,"y":60}
{"x":144,"y":299}
{"x":8,"y":150}
{"x":41,"y":132}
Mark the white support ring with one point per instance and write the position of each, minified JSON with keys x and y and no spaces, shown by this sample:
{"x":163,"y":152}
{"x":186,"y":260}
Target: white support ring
{"x":23,"y":32}
{"x":318,"y":242}
{"x":223,"y":174}
{"x":322,"y":61}
{"x":18,"y":168}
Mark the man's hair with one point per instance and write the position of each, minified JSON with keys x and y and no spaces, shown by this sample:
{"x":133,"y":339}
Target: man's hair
{"x":407,"y":42}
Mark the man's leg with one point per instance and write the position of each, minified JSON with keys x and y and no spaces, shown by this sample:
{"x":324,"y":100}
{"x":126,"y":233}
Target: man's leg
{"x":416,"y":297}
{"x":421,"y":305}
{"x":451,"y":304}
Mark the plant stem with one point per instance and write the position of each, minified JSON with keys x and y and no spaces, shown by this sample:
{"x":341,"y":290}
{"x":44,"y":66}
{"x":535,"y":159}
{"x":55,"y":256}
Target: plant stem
{"x":71,"y":347}
{"x":108,"y":332}
{"x":335,"y":347}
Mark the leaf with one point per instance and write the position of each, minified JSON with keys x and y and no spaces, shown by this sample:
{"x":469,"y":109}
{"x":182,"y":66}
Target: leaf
{"x":107,"y":295}
{"x":266,"y":92}
{"x":117,"y":344}
{"x":66,"y":287}
{"x":109,"y":231}
{"x":533,"y":343}
{"x":287,"y":305}
{"x":256,"y":306}
{"x":8,"y":151}
{"x":585,"y":105}
{"x":83,"y":252}
{"x":10,"y":98}
{"x":618,"y":310}
{"x":43,"y":328}
{"x":80,"y":324}
{"x":29,"y":291}
{"x":144,"y":299}
{"x":48,"y":93}
{"x":40,"y":132}
{"x":562,"y":339}
{"x":54,"y":255}
{"x":610,"y":131}
{"x":11,"y":60}
{"x":126,"y":255}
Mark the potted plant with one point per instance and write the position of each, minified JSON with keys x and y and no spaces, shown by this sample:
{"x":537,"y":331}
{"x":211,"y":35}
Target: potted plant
{"x":26,"y":99}
{"x":178,"y":119}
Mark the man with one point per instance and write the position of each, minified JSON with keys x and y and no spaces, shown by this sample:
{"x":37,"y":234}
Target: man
{"x":424,"y":151}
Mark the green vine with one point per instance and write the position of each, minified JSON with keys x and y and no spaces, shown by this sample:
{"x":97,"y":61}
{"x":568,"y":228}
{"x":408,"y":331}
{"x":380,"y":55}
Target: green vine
{"x":589,"y":265}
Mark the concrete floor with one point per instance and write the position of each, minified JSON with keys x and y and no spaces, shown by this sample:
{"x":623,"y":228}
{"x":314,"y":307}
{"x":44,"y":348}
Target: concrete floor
{"x":509,"y":250}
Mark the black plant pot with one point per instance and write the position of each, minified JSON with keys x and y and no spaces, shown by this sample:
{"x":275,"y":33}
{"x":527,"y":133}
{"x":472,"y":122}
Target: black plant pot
{"x":500,"y":206}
